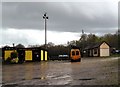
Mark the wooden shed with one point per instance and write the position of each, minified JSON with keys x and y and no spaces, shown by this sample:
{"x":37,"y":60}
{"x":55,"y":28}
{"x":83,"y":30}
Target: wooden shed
{"x":98,"y":50}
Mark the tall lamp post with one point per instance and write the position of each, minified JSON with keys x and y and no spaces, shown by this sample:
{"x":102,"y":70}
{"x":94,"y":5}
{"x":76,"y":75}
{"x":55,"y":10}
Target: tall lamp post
{"x":45,"y":17}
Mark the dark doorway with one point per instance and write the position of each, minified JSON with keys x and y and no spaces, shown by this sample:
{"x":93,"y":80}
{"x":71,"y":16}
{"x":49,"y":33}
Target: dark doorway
{"x":21,"y":56}
{"x":36,"y":55}
{"x":43,"y":55}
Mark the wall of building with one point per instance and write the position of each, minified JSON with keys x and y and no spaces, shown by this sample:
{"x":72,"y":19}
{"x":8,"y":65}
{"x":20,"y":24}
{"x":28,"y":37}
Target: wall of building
{"x":104,"y":50}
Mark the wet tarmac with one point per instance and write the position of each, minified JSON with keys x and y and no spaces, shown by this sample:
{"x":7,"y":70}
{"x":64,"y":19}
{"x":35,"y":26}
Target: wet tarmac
{"x":90,"y":71}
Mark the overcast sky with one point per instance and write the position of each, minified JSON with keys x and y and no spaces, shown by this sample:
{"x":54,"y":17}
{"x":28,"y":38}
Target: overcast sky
{"x":22,"y":22}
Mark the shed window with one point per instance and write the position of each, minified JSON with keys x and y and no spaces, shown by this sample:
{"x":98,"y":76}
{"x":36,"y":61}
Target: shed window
{"x":95,"y":51}
{"x":73,"y":53}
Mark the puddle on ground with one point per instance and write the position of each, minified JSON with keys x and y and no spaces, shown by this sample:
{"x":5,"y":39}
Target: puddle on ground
{"x":62,"y":77}
{"x":60,"y":80}
{"x":10,"y":85}
{"x":86,"y":79}
{"x":40,"y":78}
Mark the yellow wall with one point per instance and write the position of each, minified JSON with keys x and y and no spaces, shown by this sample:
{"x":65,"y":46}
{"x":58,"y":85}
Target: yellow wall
{"x":45,"y":55}
{"x":41,"y":54}
{"x":28,"y":55}
{"x":7,"y":53}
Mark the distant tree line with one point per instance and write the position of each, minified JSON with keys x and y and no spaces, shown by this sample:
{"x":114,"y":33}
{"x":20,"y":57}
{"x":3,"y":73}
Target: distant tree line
{"x":112,"y":39}
{"x":85,"y":40}
{"x":56,"y":50}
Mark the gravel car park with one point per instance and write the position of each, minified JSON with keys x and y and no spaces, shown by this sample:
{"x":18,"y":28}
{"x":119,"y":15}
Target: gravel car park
{"x":90,"y":71}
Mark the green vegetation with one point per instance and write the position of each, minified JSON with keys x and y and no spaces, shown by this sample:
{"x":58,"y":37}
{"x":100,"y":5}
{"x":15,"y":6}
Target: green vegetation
{"x":115,"y":55}
{"x":112,"y":39}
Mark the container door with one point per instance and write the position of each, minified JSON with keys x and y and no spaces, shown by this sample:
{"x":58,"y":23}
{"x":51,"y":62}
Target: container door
{"x":45,"y":55}
{"x":28,"y":56}
{"x":42,"y":55}
{"x":21,"y":55}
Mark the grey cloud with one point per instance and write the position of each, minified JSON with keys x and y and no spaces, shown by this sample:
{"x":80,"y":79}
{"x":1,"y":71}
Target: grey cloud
{"x":63,"y":16}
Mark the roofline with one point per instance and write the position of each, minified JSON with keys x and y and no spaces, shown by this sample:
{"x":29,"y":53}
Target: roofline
{"x":15,"y":48}
{"x":98,"y":45}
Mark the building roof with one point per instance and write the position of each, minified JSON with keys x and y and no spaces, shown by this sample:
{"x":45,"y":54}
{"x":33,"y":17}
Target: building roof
{"x":30,"y":48}
{"x":95,"y":45}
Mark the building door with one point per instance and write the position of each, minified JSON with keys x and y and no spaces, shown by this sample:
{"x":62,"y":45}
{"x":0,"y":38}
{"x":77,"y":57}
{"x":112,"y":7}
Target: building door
{"x":36,"y":55}
{"x":21,"y":56}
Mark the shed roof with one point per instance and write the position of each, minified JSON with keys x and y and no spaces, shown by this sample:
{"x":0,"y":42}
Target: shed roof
{"x":95,"y":45}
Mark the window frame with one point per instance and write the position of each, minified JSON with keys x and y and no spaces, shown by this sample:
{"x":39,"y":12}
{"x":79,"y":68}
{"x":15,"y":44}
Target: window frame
{"x":77,"y":53}
{"x":73,"y":53}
